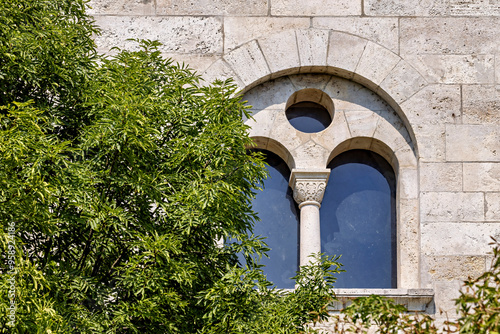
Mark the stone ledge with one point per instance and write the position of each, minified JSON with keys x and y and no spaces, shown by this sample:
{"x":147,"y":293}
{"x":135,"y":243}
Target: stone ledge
{"x":415,"y":300}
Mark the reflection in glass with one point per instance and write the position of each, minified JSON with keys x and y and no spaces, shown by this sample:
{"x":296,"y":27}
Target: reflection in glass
{"x":279,"y":223}
{"x":308,"y":117}
{"x":358,"y":220}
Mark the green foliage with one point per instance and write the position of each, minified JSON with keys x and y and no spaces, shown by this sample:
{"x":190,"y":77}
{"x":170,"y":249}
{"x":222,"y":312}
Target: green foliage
{"x":243,"y":302}
{"x":46,"y":51}
{"x":479,"y":301}
{"x":478,"y":310}
{"x":118,"y":178}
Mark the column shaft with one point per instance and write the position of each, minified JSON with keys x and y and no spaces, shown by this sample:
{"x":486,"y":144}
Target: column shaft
{"x":310,"y":238}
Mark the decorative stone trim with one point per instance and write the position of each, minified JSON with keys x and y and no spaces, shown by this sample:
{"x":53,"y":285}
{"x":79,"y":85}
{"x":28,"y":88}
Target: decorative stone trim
{"x":415,"y":300}
{"x":309,"y":185}
{"x":308,"y":189}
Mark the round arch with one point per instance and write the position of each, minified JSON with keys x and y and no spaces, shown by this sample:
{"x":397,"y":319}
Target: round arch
{"x":322,"y":51}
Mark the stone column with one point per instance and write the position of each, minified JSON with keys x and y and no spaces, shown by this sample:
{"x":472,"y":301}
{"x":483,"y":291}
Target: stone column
{"x":308,"y":189}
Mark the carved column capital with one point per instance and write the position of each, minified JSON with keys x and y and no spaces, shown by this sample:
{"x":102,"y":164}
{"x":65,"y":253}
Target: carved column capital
{"x":309,"y":185}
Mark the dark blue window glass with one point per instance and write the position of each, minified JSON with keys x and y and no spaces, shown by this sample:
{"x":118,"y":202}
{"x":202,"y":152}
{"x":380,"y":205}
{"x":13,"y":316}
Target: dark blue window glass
{"x":308,"y":117}
{"x":279,"y":223}
{"x":358,"y":220}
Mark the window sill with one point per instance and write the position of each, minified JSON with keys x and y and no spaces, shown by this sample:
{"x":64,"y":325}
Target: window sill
{"x":415,"y":300}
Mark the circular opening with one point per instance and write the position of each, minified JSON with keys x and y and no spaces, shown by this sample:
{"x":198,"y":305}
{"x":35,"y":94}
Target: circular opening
{"x":308,"y":117}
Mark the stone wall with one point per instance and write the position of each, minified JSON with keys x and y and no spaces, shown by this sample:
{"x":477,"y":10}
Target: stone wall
{"x":435,"y":62}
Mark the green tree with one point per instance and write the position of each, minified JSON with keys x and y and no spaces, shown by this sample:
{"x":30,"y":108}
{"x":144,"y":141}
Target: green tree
{"x":118,"y":177}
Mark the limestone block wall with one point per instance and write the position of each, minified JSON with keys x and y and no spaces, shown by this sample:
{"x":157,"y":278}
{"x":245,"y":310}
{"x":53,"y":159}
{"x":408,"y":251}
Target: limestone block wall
{"x":435,"y":62}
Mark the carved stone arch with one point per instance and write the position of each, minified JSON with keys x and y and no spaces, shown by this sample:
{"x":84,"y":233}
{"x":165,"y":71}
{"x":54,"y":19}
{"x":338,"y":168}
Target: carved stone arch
{"x":269,"y":144}
{"x":323,"y":51}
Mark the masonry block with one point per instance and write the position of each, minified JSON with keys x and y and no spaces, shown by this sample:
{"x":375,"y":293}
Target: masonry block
{"x":452,"y":36}
{"x":381,"y":30}
{"x":405,"y":8}
{"x":441,"y":177}
{"x":121,"y":7}
{"x":313,"y":46}
{"x":385,"y":60}
{"x":451,"y":206}
{"x":472,"y":142}
{"x":482,"y":176}
{"x":284,"y":59}
{"x":481,"y":104}
{"x":249,"y":63}
{"x":211,"y":7}
{"x":193,"y":35}
{"x":434,"y":104}
{"x":492,"y":201}
{"x":344,"y":52}
{"x":315,"y":8}
{"x":401,"y":83}
{"x":458,"y":238}
{"x":240,"y":30}
{"x":455,"y":69}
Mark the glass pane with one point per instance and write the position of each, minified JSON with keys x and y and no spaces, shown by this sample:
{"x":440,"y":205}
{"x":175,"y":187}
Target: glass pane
{"x":358,"y":220}
{"x":279,"y":223}
{"x":308,"y":117}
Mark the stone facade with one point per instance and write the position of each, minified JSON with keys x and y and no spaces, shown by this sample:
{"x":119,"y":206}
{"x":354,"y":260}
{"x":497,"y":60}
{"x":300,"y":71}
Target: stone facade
{"x":415,"y":81}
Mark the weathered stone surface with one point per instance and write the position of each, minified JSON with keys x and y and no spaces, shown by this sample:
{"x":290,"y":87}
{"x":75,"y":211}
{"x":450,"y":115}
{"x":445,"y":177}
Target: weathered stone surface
{"x":445,"y":293}
{"x":367,"y":73}
{"x":406,"y":8}
{"x":344,"y":52}
{"x":262,"y":123}
{"x":391,"y":131}
{"x":381,"y":30}
{"x":286,"y":134}
{"x":449,"y":35}
{"x":481,"y":176}
{"x":211,"y":7}
{"x":272,"y":94}
{"x":310,"y":155}
{"x":431,"y":142}
{"x":449,"y":207}
{"x":334,"y":135}
{"x":239,"y":30}
{"x":455,"y":69}
{"x":193,"y":35}
{"x":475,"y":8}
{"x":458,"y":238}
{"x":472,"y":142}
{"x":313,"y":45}
{"x":283,"y":59}
{"x":401,"y":83}
{"x":408,"y":183}
{"x":481,"y":104}
{"x":434,"y":104}
{"x":349,"y":96}
{"x":409,"y":243}
{"x":198,"y":62}
{"x":361,"y":123}
{"x":249,"y":63}
{"x":315,"y":8}
{"x":451,"y":268}
{"x":440,"y":176}
{"x":303,"y":81}
{"x":220,"y":70}
{"x":121,"y":7}
{"x":492,"y":201}
{"x":404,"y":157}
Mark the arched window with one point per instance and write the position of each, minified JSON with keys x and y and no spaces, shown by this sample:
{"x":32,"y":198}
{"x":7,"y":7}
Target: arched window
{"x":358,"y":219}
{"x":279,"y":223}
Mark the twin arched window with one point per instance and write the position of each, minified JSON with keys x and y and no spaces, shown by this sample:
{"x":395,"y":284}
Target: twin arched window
{"x":358,"y":220}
